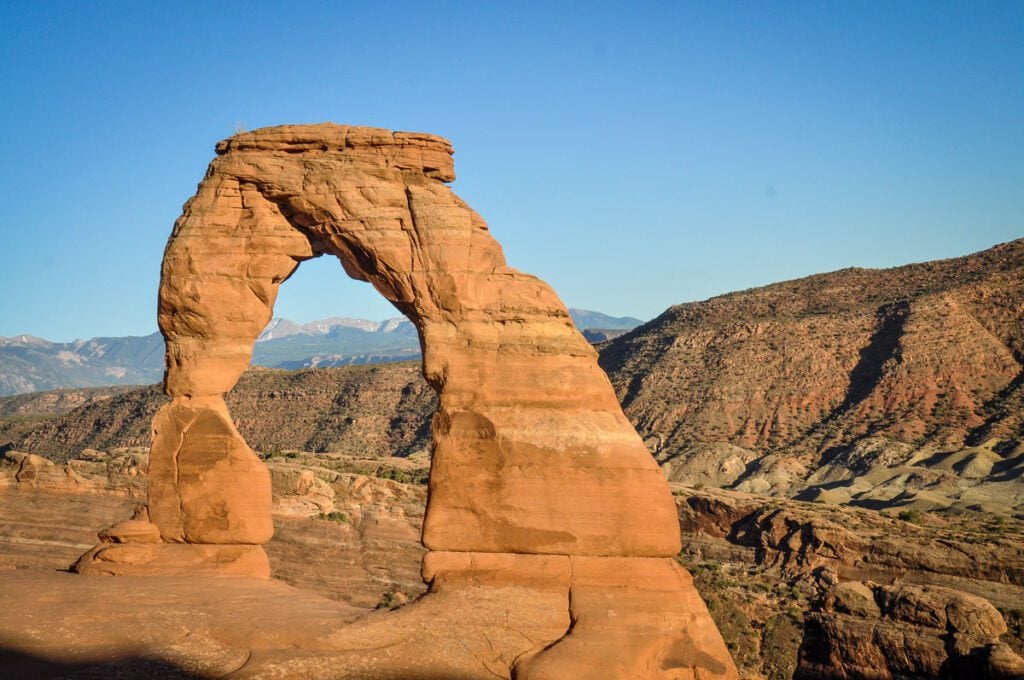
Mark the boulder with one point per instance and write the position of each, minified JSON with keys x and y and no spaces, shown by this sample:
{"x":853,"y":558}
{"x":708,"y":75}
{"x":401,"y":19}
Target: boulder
{"x":866,"y":630}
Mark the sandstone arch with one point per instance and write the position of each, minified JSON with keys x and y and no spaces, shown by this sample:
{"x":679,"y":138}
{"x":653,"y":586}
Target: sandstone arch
{"x":538,"y":481}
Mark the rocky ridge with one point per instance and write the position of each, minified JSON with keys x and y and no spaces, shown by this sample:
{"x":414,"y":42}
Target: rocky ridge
{"x":368,"y":411}
{"x":926,"y":353}
{"x":874,"y":387}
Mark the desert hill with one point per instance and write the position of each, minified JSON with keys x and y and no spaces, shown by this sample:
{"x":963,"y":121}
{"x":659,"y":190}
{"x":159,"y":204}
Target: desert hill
{"x":917,"y":367}
{"x":928,"y":352}
{"x":371,"y":411}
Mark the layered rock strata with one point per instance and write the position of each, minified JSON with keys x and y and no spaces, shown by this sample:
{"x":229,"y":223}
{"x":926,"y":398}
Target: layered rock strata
{"x":535,"y":468}
{"x":866,"y":630}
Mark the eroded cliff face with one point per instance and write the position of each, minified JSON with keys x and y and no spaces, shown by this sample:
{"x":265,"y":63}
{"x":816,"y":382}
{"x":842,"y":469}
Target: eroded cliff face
{"x":864,"y":629}
{"x":859,"y":593}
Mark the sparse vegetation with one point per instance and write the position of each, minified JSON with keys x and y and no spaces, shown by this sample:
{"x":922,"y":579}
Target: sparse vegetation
{"x":415,"y":476}
{"x":780,"y":640}
{"x":911,"y":516}
{"x":392,"y":599}
{"x":1015,"y":629}
{"x":755,"y":613}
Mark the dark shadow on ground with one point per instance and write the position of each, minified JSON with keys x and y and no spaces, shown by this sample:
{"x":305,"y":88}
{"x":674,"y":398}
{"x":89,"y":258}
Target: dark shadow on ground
{"x":16,"y":663}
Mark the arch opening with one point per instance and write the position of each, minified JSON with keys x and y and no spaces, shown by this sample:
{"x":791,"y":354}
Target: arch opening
{"x":321,"y":289}
{"x":342,"y":380}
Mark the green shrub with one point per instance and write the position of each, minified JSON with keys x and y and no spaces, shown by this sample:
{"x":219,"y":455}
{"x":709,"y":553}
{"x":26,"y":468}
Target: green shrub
{"x":911,"y":516}
{"x":392,"y":599}
{"x":403,"y":476}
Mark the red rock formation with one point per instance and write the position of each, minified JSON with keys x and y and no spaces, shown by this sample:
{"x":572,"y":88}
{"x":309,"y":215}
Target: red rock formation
{"x":864,"y":630}
{"x":532,"y":455}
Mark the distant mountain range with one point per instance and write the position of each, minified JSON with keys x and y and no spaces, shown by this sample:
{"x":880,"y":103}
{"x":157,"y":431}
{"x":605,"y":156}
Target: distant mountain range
{"x":31,"y":364}
{"x":335,"y":342}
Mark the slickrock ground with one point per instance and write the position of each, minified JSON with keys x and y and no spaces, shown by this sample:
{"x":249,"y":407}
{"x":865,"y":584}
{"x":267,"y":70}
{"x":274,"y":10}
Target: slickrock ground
{"x":347,"y":541}
{"x":64,"y":625}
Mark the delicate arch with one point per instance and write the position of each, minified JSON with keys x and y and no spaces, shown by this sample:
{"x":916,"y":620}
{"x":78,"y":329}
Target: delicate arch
{"x":550,"y":529}
{"x":531,"y":451}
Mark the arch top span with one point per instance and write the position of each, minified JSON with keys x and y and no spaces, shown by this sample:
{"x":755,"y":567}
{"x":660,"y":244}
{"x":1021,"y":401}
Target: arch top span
{"x":413,"y":151}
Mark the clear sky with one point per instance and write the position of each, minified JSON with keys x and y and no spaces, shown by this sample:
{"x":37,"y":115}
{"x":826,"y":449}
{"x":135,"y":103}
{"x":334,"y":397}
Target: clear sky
{"x":634,"y":155}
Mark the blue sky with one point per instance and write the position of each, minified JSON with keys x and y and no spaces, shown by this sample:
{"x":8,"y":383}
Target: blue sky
{"x":634,"y":155}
